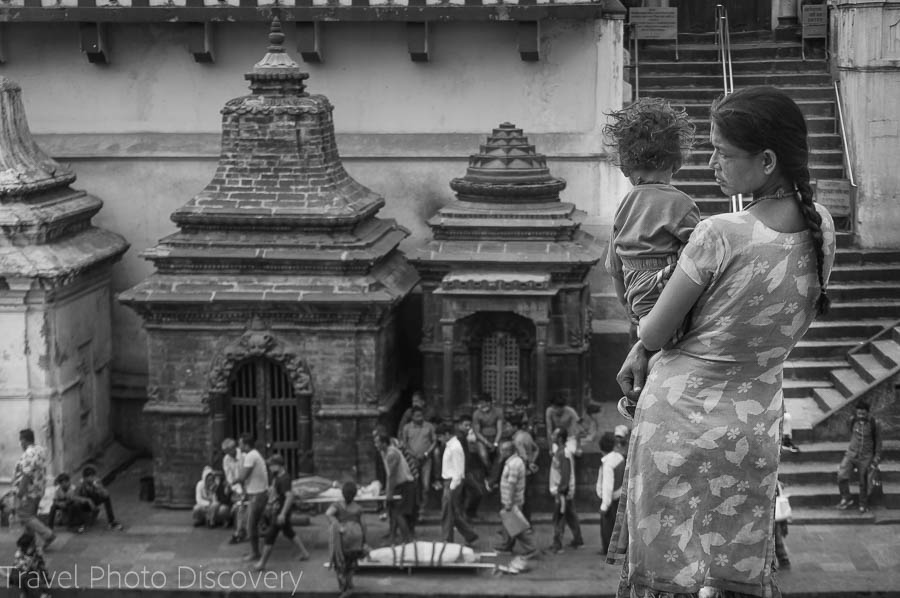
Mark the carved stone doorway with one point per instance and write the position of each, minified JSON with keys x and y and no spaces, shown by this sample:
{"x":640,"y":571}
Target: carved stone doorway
{"x":261,"y":401}
{"x":500,"y":356}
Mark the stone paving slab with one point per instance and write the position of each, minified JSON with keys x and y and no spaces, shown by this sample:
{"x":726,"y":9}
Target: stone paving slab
{"x":160,"y":554}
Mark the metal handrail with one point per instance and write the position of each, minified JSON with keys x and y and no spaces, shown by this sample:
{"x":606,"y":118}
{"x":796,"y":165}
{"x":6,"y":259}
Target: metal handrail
{"x":846,"y":146}
{"x":723,"y":43}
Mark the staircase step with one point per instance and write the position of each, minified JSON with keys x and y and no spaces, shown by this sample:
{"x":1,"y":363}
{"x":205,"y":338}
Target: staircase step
{"x":698,"y":94}
{"x":833,"y":451}
{"x":845,"y":310}
{"x":826,"y":494}
{"x":811,"y":369}
{"x":809,"y":107}
{"x":848,"y":382}
{"x":798,"y":388}
{"x":653,"y":80}
{"x":867,"y":257}
{"x":825,"y":157}
{"x":829,"y":398}
{"x":863,"y":290}
{"x":708,"y":52}
{"x":887,"y":352}
{"x":793,"y":474}
{"x":818,"y":349}
{"x":804,"y":411}
{"x":693,"y":171}
{"x":739,"y":67}
{"x":865,"y":272}
{"x":868,"y":367}
{"x":829,"y":516}
{"x":849,"y":329}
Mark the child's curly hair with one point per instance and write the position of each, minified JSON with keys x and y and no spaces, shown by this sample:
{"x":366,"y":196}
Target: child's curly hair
{"x":649,"y":135}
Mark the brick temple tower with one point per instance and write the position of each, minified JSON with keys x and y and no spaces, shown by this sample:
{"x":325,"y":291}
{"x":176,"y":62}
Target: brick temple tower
{"x":55,"y":322}
{"x":506,"y":305}
{"x":273,"y":308}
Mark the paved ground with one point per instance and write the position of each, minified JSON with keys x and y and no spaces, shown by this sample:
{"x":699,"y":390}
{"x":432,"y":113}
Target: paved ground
{"x":159,"y":550}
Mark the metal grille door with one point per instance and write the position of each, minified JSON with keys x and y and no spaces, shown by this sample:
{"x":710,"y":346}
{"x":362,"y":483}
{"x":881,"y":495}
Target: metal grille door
{"x":263,"y":404}
{"x":500,"y":367}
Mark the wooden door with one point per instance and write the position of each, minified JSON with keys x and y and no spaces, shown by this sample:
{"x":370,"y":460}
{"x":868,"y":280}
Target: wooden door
{"x":699,"y":16}
{"x":500,"y":356}
{"x":262,"y":403}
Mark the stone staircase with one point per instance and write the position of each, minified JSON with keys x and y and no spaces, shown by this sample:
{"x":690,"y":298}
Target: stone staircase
{"x":696,"y":79}
{"x":833,"y":365}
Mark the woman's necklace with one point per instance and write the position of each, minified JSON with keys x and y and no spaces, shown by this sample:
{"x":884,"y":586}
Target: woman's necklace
{"x":779,"y":194}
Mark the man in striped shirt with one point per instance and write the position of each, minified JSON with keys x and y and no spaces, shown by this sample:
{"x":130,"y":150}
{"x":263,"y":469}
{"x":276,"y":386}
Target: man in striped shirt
{"x":512,"y":498}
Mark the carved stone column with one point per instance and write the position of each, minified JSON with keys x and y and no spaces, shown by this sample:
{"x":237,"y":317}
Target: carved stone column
{"x":540,"y":395}
{"x":447,"y":386}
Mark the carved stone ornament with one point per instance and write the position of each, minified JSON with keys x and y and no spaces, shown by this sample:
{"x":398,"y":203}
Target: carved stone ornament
{"x":259,"y":341}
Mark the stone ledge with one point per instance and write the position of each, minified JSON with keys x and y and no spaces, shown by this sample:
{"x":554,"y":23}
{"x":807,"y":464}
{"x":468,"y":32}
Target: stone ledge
{"x":426,"y":146}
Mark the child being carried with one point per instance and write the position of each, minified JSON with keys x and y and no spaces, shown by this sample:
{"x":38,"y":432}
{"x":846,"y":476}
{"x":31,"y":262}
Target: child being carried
{"x":649,"y":141}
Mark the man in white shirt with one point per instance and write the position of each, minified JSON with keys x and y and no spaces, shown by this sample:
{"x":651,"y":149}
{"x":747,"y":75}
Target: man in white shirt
{"x":609,"y":483}
{"x":255,"y":479}
{"x":453,"y":471}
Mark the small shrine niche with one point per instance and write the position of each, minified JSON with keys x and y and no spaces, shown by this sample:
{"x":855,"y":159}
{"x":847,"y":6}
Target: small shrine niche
{"x":506,"y":306}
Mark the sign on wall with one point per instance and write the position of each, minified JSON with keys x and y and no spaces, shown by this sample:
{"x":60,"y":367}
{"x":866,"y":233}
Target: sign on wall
{"x":814,"y":21}
{"x":834,"y":194}
{"x":654,"y":22}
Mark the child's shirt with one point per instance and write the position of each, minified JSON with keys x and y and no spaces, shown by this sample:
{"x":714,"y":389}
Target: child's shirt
{"x":62,"y":497}
{"x":652,"y":223}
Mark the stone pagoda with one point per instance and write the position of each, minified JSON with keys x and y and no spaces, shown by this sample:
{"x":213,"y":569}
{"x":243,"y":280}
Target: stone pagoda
{"x":505,"y":297}
{"x":56,"y":343}
{"x":272,"y":310}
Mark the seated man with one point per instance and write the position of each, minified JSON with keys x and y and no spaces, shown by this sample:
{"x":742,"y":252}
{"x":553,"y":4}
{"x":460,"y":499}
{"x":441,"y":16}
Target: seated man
{"x":75,"y":510}
{"x":91,"y":487}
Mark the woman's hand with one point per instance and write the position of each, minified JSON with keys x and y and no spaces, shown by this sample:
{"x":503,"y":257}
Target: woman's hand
{"x":633,"y":372}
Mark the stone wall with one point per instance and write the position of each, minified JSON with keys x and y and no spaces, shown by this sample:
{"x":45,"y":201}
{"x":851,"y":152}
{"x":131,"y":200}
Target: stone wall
{"x":56,"y":350}
{"x":868,"y":61}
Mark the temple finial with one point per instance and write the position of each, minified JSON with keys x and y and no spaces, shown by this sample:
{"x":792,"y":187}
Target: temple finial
{"x":276,"y":36}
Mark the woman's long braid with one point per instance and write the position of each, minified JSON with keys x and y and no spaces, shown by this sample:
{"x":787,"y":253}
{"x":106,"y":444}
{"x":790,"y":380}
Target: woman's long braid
{"x":814,"y":222}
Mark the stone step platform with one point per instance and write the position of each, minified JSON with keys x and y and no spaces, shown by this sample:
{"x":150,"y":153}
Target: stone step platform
{"x":700,"y":156}
{"x":650,"y":80}
{"x":823,"y":472}
{"x":707,"y":52}
{"x":832,"y":452}
{"x":700,"y":94}
{"x":826,"y":495}
{"x":810,"y":107}
{"x":738,"y":67}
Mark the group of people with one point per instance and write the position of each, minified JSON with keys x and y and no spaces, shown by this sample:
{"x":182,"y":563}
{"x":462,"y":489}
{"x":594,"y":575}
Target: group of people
{"x":252,"y":495}
{"x":77,"y":506}
{"x":492,"y":451}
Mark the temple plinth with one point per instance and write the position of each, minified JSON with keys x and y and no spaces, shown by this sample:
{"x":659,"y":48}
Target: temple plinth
{"x":272,"y":310}
{"x":506,"y":304}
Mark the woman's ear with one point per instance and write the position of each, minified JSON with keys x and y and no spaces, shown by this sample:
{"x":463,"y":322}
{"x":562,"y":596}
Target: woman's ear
{"x":770,"y":161}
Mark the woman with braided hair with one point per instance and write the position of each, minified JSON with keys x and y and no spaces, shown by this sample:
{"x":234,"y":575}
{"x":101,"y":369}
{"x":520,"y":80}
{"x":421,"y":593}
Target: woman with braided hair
{"x":697,"y":508}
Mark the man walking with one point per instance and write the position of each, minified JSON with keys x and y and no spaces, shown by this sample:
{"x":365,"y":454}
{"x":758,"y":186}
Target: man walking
{"x":255,"y":479}
{"x":280,"y":501}
{"x":453,"y":471}
{"x":29,"y":480}
{"x":528,"y":450}
{"x":864,"y":451}
{"x":512,"y":499}
{"x":562,"y":488}
{"x":398,"y":480}
{"x":609,"y":483}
